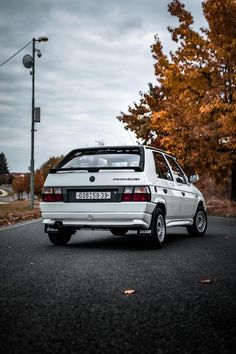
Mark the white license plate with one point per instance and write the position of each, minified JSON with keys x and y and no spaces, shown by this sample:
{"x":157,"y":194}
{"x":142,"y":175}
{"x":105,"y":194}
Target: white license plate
{"x":93,"y":195}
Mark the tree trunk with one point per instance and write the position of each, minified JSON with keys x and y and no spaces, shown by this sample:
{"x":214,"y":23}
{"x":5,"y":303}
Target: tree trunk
{"x":233,"y":183}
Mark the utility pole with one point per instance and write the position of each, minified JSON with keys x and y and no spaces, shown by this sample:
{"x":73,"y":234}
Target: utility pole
{"x":29,"y":62}
{"x":32,"y":131}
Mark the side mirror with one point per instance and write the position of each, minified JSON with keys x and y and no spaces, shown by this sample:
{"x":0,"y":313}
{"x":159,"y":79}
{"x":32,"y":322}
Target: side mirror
{"x":193,"y":178}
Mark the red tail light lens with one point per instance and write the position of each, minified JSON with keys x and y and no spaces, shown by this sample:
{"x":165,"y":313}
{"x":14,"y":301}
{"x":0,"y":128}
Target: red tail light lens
{"x":136,"y":194}
{"x":47,"y":198}
{"x":52,"y":194}
{"x":58,"y":196}
{"x":141,"y":194}
{"x":127,"y":194}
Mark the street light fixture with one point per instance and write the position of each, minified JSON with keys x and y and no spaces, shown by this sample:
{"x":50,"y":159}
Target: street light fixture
{"x":29,"y":62}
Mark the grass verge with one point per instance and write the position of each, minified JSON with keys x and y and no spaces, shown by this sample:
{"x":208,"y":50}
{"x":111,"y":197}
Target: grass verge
{"x":17,"y":211}
{"x":221,"y":207}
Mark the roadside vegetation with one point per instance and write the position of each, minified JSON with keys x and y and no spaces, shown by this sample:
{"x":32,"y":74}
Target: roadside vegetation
{"x":15,"y":207}
{"x":218,"y":197}
{"x":16,"y":212}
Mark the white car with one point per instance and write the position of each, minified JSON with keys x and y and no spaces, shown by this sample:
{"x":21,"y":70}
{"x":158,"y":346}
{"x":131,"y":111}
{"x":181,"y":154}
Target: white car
{"x":121,"y":188}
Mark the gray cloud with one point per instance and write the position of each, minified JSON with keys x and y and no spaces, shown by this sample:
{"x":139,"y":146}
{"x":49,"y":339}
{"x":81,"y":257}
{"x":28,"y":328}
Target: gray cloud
{"x":96,"y":61}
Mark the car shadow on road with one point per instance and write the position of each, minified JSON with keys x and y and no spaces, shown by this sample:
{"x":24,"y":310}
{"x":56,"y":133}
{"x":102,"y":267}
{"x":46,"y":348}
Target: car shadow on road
{"x":128,"y":242}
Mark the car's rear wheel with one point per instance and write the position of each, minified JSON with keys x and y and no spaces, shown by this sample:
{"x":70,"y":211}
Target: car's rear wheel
{"x":199,"y":226}
{"x":118,"y":231}
{"x":158,"y":228}
{"x":61,"y":238}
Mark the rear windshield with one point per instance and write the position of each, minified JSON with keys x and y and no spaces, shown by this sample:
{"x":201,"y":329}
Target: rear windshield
{"x":96,"y":159}
{"x":104,"y":160}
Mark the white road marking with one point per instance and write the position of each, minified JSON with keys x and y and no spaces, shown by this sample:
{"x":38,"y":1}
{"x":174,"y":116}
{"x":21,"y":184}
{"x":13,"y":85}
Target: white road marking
{"x":19,"y":225}
{"x":4,"y":193}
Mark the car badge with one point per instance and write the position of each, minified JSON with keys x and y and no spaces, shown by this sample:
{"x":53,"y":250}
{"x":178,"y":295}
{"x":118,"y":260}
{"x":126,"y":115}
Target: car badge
{"x":92,"y":179}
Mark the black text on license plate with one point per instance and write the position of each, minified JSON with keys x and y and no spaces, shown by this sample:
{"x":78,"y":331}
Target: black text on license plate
{"x":93,"y":195}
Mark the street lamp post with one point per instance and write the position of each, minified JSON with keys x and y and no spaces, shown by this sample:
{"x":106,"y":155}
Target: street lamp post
{"x":29,"y":62}
{"x":32,"y":131}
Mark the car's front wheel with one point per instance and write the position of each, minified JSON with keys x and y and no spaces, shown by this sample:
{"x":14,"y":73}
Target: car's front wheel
{"x":61,"y":238}
{"x":199,"y":226}
{"x":158,"y":228}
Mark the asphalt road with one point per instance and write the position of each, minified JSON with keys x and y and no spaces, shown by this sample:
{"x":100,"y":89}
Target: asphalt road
{"x":70,"y":299}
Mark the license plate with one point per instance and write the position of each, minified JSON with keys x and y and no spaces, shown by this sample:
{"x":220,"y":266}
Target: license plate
{"x":93,"y":195}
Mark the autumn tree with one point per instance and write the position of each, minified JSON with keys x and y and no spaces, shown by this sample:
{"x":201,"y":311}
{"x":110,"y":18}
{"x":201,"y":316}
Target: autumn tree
{"x":191,"y":112}
{"x":27,"y":183}
{"x":50,"y":163}
{"x":38,"y":183}
{"x":18,"y":186}
{"x":21,"y":184}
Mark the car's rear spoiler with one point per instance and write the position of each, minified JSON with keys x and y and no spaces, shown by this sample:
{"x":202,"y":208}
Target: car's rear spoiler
{"x":95,"y":169}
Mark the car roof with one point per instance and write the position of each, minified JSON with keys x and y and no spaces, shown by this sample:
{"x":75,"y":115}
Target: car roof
{"x":111,"y":148}
{"x":115,"y":149}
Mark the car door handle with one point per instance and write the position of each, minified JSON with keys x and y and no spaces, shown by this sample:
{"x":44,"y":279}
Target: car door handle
{"x":183,"y":193}
{"x":165,"y":190}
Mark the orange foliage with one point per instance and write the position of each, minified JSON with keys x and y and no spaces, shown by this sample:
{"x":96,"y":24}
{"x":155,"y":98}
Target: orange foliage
{"x":50,"y":163}
{"x":191,"y":112}
{"x":18,"y":186}
{"x":22,"y":183}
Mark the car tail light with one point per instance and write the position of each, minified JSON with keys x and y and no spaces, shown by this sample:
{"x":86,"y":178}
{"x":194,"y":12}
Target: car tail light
{"x":136,"y":194}
{"x":52,"y":194}
{"x":127,"y":194}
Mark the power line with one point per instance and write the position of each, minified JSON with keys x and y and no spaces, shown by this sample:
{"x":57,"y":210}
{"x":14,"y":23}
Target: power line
{"x":15,"y":54}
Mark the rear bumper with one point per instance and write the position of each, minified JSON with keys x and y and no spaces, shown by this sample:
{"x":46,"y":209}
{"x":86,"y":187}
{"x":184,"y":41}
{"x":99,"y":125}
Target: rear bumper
{"x":130,"y":215}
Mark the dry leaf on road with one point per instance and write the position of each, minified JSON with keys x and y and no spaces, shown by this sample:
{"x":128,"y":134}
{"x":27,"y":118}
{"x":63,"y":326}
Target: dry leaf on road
{"x":129,"y":291}
{"x":207,"y":281}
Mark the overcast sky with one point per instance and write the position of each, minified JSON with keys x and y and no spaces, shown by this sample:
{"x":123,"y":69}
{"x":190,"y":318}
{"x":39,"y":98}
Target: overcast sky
{"x":93,"y":66}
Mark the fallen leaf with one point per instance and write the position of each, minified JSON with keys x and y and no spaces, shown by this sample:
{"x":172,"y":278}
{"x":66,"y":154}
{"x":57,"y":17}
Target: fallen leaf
{"x":129,"y":291}
{"x":207,"y":281}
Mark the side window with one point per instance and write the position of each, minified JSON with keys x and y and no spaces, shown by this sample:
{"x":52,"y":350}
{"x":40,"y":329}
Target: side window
{"x":177,"y":172}
{"x":162,"y":169}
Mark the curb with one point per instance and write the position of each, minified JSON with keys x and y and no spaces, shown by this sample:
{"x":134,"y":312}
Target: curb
{"x":2,"y":228}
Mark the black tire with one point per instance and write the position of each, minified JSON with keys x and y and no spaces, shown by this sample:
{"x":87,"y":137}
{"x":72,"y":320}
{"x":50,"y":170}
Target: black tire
{"x":158,"y":229}
{"x":118,"y":231}
{"x":59,"y":239}
{"x":199,"y":226}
